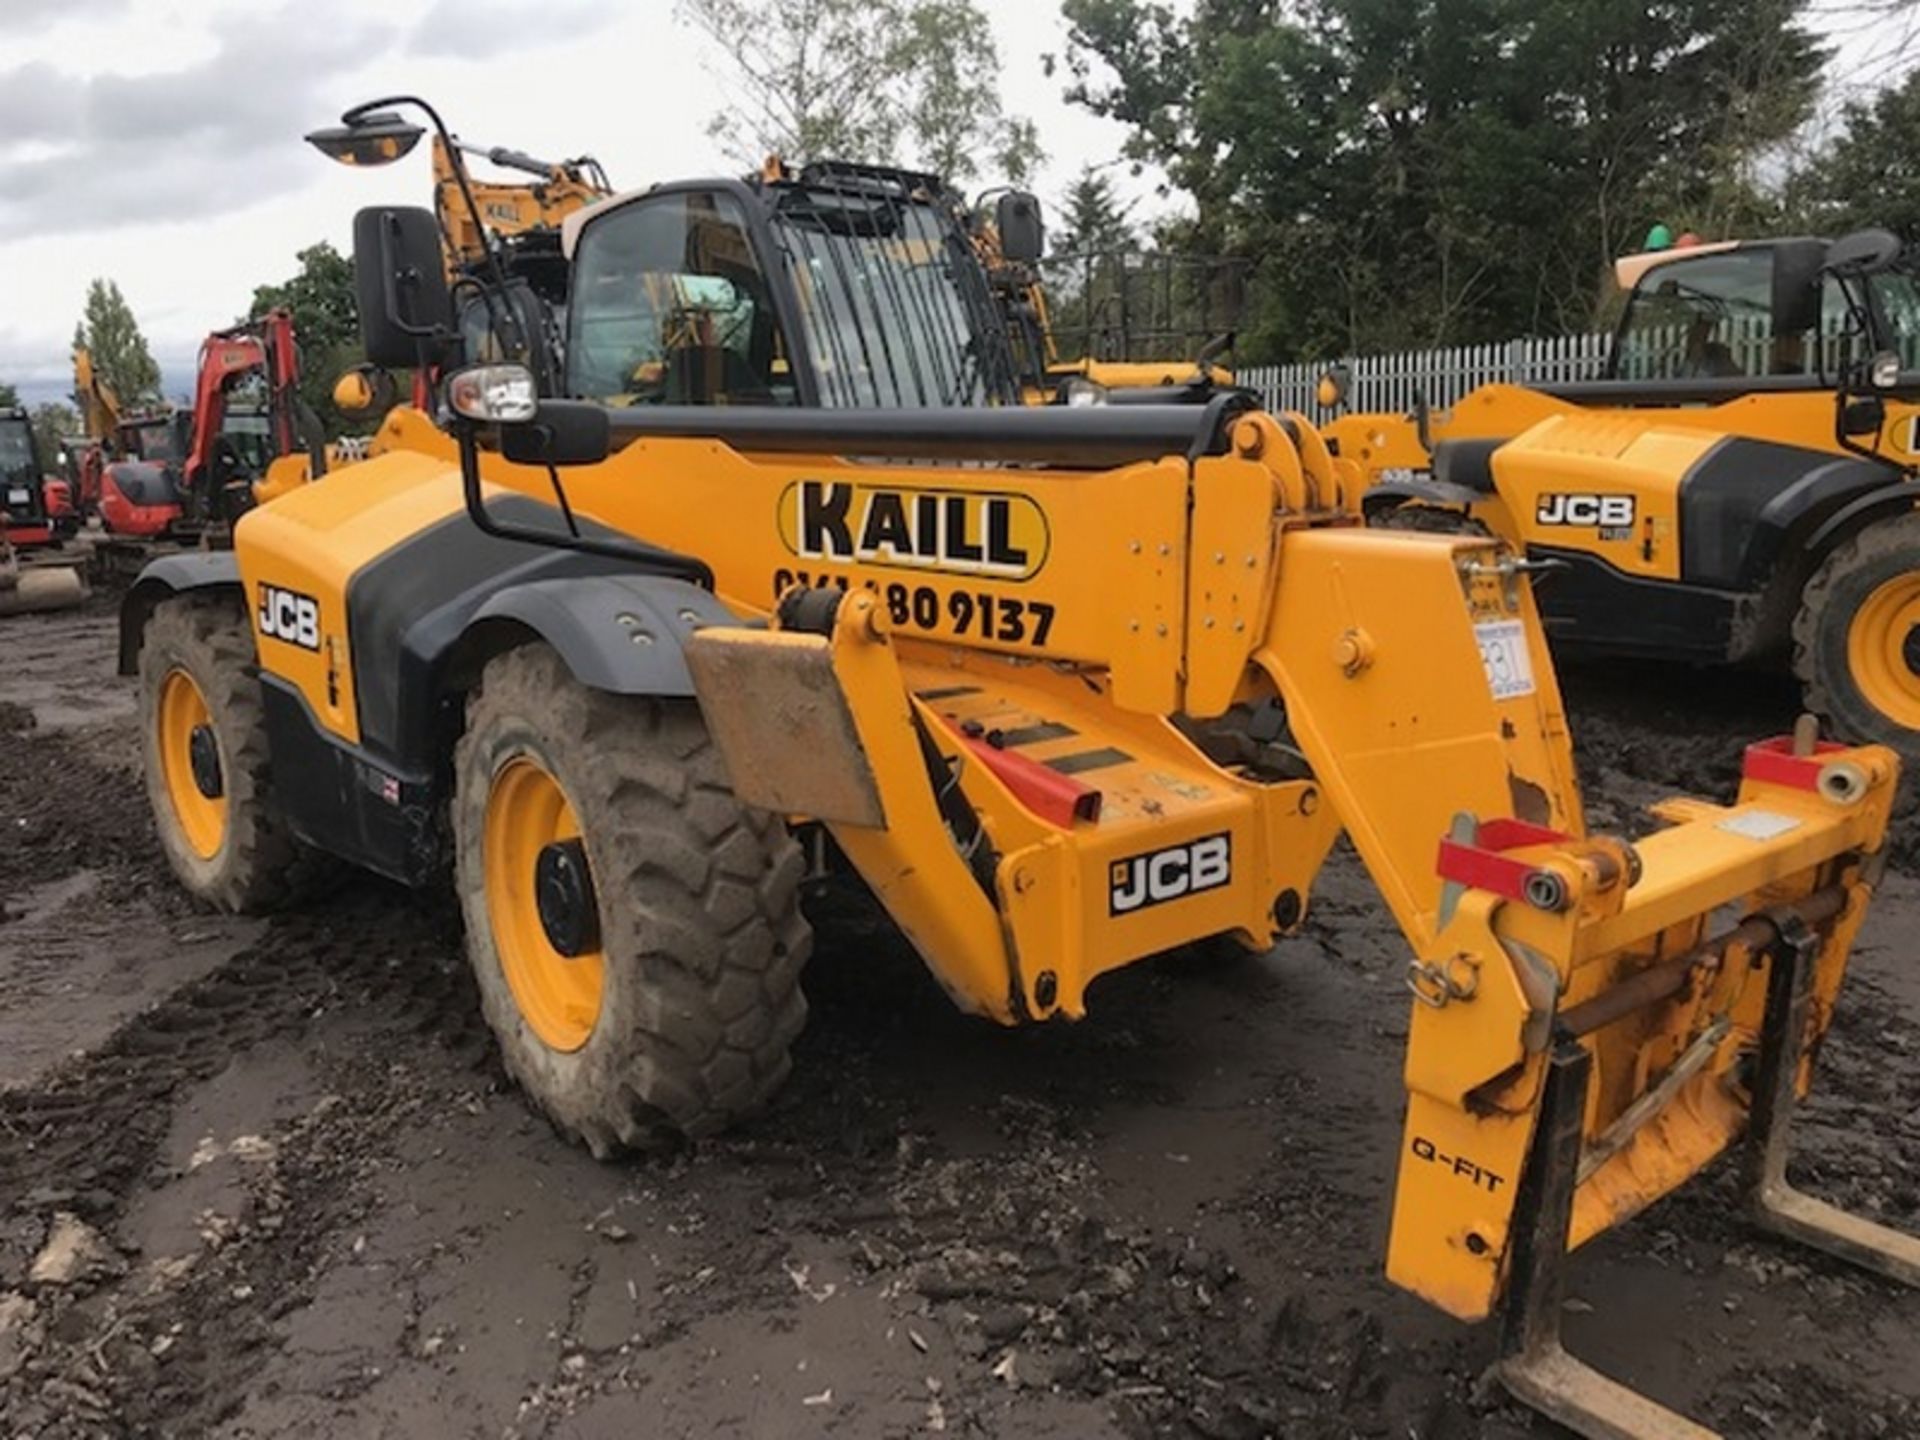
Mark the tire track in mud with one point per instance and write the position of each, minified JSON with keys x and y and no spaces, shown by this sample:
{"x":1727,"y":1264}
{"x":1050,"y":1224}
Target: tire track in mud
{"x":63,"y":807}
{"x":170,"y":1347}
{"x":166,"y":1350}
{"x":83,"y":1135}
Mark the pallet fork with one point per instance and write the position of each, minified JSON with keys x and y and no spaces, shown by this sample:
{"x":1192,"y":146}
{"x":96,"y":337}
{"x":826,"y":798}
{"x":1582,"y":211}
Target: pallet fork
{"x":1534,"y":1365}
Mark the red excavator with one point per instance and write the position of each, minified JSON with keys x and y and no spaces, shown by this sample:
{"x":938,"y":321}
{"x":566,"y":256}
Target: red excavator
{"x":181,"y":474}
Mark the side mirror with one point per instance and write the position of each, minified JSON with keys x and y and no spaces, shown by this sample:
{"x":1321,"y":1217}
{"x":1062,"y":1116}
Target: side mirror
{"x":1864,"y":252}
{"x":1023,"y":231}
{"x":1864,"y":416}
{"x":400,"y":285}
{"x":562,"y":432}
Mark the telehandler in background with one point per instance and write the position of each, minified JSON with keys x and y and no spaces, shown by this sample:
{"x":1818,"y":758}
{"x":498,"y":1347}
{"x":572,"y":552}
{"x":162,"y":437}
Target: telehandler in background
{"x":1113,"y":331}
{"x":1737,"y":490}
{"x":623,"y":664}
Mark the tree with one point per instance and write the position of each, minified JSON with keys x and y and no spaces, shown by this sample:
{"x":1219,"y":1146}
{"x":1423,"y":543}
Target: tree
{"x":9,"y":397}
{"x":806,"y":78}
{"x":1424,"y":172}
{"x":864,"y":80}
{"x":952,"y":98}
{"x":1868,"y":172}
{"x":1091,"y":217}
{"x":326,"y":320}
{"x":53,"y":422}
{"x":120,"y":355}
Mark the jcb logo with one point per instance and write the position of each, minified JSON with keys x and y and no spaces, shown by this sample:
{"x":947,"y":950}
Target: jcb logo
{"x":955,"y":531}
{"x":1607,"y":512}
{"x":290,"y":616}
{"x":1162,"y":875}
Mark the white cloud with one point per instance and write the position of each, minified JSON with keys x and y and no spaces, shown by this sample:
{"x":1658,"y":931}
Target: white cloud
{"x":480,"y":29}
{"x":119,"y":150}
{"x":158,"y":141}
{"x":24,"y":17}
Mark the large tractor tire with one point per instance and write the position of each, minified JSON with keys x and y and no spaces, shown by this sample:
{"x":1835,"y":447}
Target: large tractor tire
{"x":208,"y":776}
{"x":635,"y":931}
{"x":1856,"y":638}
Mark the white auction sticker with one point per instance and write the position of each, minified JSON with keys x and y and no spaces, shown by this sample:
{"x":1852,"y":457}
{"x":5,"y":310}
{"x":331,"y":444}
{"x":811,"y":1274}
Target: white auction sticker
{"x":1503,"y":651}
{"x":1758,"y":824}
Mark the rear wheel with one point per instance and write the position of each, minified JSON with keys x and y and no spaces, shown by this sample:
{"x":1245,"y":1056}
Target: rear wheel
{"x":207,"y":764}
{"x":1856,"y":639}
{"x":635,"y":932}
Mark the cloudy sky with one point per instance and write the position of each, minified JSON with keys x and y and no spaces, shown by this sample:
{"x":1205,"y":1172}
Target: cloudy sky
{"x":158,"y":141}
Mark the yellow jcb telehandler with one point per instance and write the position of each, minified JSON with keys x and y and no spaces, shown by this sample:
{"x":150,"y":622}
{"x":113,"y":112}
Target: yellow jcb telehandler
{"x":1738,"y":489}
{"x":611,"y":665}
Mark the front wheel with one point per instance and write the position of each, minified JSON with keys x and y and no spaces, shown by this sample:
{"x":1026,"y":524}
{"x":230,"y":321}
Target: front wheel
{"x":1856,"y":638}
{"x":635,"y":931}
{"x":208,"y":769}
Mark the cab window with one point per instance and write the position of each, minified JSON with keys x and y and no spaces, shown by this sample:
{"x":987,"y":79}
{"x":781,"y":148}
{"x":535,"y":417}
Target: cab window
{"x":16,"y":447}
{"x":1896,"y":298}
{"x":670,"y":307}
{"x":1704,"y":318}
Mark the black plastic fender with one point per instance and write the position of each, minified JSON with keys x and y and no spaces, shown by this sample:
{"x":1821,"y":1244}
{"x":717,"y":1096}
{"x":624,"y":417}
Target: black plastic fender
{"x":1747,"y":506}
{"x":170,"y":575}
{"x":1888,"y":500}
{"x":621,"y":633}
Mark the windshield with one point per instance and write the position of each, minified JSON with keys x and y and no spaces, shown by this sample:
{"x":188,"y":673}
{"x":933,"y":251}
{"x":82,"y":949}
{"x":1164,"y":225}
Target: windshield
{"x":250,"y":432}
{"x":153,"y":440}
{"x":895,"y":302}
{"x":670,"y":307}
{"x":1713,"y":316}
{"x":1896,"y":295}
{"x":1710,"y":316}
{"x":16,"y":448}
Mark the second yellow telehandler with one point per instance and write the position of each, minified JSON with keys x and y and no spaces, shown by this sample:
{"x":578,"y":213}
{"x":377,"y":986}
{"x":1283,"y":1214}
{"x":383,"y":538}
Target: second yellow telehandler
{"x":1737,"y":490}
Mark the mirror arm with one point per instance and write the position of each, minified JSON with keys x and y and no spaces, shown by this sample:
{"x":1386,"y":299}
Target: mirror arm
{"x":652,"y":558}
{"x":495,"y":270}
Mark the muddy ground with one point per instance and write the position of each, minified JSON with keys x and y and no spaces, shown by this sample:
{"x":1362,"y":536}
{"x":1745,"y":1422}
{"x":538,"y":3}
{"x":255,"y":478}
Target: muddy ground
{"x":266,"y":1178}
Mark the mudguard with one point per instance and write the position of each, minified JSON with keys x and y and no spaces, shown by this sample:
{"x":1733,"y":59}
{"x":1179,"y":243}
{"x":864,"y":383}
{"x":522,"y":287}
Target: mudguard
{"x":1895,"y":498}
{"x":170,"y":575}
{"x":1747,"y":504}
{"x":622,"y":633}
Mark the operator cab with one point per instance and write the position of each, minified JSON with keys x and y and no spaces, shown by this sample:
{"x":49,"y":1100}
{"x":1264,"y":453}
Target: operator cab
{"x":22,"y":489}
{"x":1733,"y":310}
{"x":841,"y":286}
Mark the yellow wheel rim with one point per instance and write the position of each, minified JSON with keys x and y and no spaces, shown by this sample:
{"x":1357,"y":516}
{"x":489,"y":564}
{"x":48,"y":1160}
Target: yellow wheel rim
{"x":558,"y":995}
{"x":202,"y":818}
{"x":1883,"y":650}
